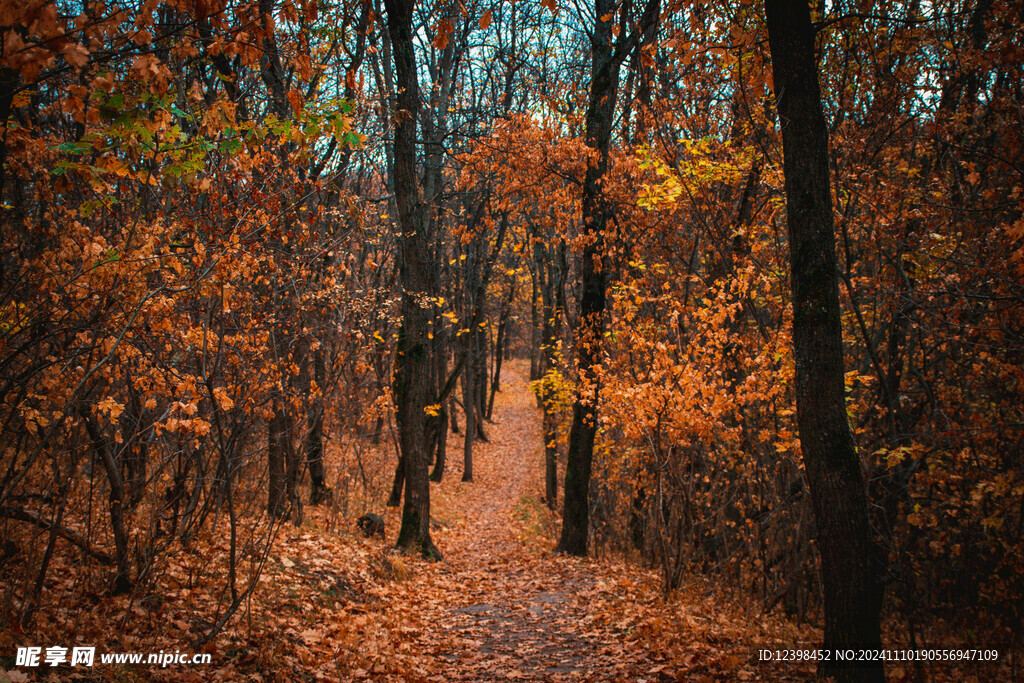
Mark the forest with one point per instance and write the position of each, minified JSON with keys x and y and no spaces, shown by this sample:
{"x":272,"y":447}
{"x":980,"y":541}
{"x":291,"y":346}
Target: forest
{"x":492,"y":340}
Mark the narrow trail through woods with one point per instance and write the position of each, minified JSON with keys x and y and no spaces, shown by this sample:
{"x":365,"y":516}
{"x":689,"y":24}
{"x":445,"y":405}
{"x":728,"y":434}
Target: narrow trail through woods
{"x":504,"y":606}
{"x":501,"y":606}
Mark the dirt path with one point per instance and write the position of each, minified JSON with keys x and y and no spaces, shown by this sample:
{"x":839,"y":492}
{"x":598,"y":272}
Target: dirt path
{"x":502,"y":606}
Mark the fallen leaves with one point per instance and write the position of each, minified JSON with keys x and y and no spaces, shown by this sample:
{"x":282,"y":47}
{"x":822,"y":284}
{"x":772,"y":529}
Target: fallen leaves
{"x":332,"y":605}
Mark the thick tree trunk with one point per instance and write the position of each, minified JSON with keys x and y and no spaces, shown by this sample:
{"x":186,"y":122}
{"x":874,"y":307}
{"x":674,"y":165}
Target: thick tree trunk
{"x":411,"y":383}
{"x":453,"y":414}
{"x":851,"y":561}
{"x":136,"y":457}
{"x":606,"y":60}
{"x":593,"y":282}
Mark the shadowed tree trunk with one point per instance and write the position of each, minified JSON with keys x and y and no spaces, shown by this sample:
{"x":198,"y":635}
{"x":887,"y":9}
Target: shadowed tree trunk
{"x":469,"y":373}
{"x":440,"y":421}
{"x":534,"y":336}
{"x":319,"y":492}
{"x":480,"y":377}
{"x":551,"y":272}
{"x":397,"y":485}
{"x":606,"y":60}
{"x":469,"y":403}
{"x":122,"y":582}
{"x":482,"y":348}
{"x":411,"y":382}
{"x":593,"y":282}
{"x":8,"y":84}
{"x":499,"y":349}
{"x":851,"y":561}
{"x":277,"y":458}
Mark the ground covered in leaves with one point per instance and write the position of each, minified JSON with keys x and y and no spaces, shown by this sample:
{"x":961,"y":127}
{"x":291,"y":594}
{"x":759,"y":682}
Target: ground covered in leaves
{"x":502,"y":606}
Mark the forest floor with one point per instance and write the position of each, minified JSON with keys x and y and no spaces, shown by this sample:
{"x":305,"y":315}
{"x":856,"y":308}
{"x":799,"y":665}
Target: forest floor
{"x":501,"y":606}
{"x":504,"y":607}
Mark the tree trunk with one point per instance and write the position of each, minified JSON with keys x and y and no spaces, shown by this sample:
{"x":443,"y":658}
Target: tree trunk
{"x":397,"y":484}
{"x":469,"y":405}
{"x":851,"y":561}
{"x":277,"y":459}
{"x":411,"y":383}
{"x":480,"y":379}
{"x":440,"y":422}
{"x":593,"y":282}
{"x":550,"y":460}
{"x":318,"y":492}
{"x":453,"y":414}
{"x":499,"y":354}
{"x":378,"y":430}
{"x":551,"y":276}
{"x":8,"y":84}
{"x":292,"y":472}
{"x":534,"y":336}
{"x":122,"y":582}
{"x":441,"y":434}
{"x":136,"y":456}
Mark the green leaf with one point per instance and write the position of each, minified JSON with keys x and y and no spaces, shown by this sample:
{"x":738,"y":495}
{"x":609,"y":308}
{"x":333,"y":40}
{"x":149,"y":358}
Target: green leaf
{"x":352,"y":140}
{"x":231,"y":146}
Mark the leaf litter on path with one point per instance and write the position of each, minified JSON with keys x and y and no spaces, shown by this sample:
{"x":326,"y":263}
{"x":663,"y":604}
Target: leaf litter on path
{"x":503,"y":607}
{"x":334,"y":606}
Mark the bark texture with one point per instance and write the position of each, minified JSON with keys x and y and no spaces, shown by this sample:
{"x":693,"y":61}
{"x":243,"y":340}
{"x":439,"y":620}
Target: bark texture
{"x":411,"y":382}
{"x":850,"y":557}
{"x":606,"y":60}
